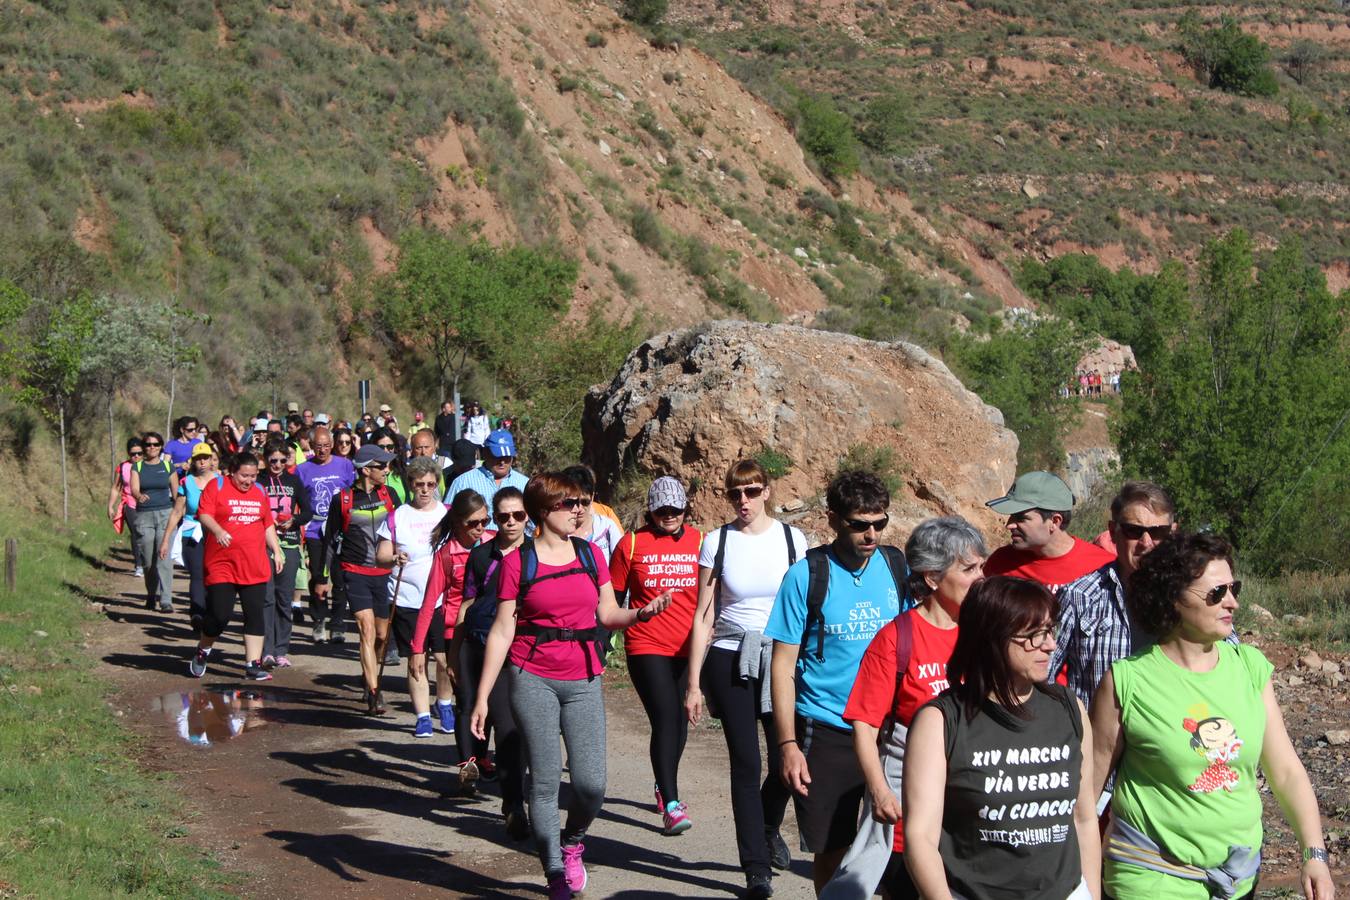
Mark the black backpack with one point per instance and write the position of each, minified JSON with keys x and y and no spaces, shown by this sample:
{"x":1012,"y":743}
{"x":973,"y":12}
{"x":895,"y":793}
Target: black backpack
{"x":818,"y":586}
{"x":529,"y":577}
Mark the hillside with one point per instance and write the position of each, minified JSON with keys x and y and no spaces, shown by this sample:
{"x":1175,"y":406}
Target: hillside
{"x":1048,"y":128}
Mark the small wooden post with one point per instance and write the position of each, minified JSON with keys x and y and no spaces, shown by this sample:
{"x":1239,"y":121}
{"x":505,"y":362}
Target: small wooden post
{"x":11,"y":564}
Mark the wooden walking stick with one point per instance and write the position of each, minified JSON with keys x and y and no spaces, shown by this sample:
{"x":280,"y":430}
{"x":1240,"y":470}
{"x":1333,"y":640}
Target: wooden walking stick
{"x":398,"y":583}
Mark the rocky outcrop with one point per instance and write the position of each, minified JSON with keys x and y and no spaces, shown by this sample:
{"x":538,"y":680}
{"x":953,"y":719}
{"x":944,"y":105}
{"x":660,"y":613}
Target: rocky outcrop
{"x":691,"y":402}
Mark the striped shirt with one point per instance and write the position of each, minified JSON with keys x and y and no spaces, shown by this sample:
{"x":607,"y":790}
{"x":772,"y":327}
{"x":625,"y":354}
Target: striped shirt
{"x":480,"y":479}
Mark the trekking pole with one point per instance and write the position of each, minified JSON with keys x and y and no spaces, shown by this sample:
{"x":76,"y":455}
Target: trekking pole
{"x":398,"y":583}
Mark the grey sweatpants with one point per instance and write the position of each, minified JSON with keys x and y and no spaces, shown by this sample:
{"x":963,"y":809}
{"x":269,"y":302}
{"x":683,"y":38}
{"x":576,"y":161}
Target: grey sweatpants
{"x":277,"y":610}
{"x":544,"y":709}
{"x":150,"y":527}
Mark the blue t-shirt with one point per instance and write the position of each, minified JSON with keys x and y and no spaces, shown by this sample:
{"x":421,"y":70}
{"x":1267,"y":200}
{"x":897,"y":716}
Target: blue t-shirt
{"x":180,"y":451}
{"x":853,"y":614}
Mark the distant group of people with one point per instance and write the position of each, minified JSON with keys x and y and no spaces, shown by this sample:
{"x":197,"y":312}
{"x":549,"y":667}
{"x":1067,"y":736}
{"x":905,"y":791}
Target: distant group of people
{"x":1092,"y":384}
{"x":945,"y":721}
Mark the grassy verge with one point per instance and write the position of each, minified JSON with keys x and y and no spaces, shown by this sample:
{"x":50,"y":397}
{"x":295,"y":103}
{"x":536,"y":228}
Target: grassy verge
{"x":78,"y":817}
{"x":1317,"y":607}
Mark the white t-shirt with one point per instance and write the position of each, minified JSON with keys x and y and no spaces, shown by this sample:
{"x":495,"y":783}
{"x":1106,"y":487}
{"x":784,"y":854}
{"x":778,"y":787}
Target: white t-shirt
{"x":413,"y":527}
{"x":604,"y":534}
{"x":752,"y":570}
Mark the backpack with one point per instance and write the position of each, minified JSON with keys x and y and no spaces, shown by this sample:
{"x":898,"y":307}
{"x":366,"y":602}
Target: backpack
{"x":347,"y":496}
{"x":529,"y":577}
{"x":164,"y":460}
{"x":818,"y":586}
{"x":720,"y":557}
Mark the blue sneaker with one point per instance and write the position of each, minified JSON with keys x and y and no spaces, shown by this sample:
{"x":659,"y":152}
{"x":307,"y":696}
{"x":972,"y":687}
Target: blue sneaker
{"x":423,"y":729}
{"x":447,"y":713}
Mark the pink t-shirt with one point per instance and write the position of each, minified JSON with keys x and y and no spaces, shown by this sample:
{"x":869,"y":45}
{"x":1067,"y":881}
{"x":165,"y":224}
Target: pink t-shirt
{"x":569,"y":601}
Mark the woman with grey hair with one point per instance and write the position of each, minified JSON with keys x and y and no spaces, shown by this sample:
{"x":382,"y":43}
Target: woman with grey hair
{"x":904,"y":667}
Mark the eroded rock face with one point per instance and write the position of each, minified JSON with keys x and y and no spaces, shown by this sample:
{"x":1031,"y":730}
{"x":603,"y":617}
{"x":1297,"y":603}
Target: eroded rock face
{"x":691,"y":402}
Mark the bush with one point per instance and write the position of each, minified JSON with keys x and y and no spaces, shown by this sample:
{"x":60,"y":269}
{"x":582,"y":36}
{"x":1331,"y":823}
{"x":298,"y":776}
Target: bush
{"x":595,"y":39}
{"x":644,"y":12}
{"x":1227,"y":57}
{"x":879,"y":461}
{"x":827,"y":135}
{"x":775,"y":464}
{"x":647,"y":228}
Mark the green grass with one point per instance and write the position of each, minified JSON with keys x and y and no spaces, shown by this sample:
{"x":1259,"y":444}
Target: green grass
{"x":1322,"y":600}
{"x":78,"y":817}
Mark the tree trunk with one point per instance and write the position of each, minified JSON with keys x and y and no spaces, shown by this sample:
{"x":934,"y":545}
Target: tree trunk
{"x":65,"y":484}
{"x":173,"y":388}
{"x":112,"y":439}
{"x":459,"y":418}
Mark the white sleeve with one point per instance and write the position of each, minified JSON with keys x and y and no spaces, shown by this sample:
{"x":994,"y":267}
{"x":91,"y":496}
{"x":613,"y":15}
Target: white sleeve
{"x":708,"y":552}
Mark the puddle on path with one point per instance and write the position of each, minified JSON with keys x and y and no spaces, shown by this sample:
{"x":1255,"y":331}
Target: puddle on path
{"x":213,"y":716}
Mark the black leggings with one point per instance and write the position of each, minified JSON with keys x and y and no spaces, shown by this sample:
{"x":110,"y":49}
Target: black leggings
{"x":501,"y":723}
{"x":220,"y":606}
{"x":757,"y":809}
{"x":659,"y":681}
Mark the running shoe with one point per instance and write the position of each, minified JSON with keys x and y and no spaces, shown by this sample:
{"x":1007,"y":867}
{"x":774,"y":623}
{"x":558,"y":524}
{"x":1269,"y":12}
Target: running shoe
{"x":166,"y":607}
{"x":197,"y":665}
{"x":423,"y":728}
{"x":675,"y":820}
{"x":488,"y":769}
{"x":391,"y":657}
{"x":374,"y":703}
{"x":320,"y":633}
{"x":574,"y":871}
{"x":283,"y":662}
{"x":758,"y":887}
{"x":518,"y":824}
{"x":446,"y":713}
{"x":660,"y":801}
{"x":468,"y":777}
{"x":337,"y":637}
{"x":255,"y":672}
{"x":268,"y":662}
{"x":558,"y":889}
{"x":140,"y":572}
{"x":780,"y":857}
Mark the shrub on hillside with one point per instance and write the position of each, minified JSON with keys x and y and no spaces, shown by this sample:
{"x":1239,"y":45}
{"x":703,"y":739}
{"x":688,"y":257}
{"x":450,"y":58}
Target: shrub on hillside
{"x":644,"y":12}
{"x":827,"y":135}
{"x":879,"y":461}
{"x":1227,"y":57}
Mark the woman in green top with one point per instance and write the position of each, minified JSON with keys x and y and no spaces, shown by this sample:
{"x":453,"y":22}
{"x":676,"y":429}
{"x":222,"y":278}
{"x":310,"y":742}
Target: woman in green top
{"x":1184,"y":724}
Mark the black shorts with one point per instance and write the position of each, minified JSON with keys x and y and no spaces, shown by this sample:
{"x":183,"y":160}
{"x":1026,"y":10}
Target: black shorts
{"x":827,"y":817}
{"x":366,"y":592}
{"x":405,"y":623}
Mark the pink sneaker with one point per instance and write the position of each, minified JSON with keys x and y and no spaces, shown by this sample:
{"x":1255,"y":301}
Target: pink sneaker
{"x":573,"y":870}
{"x":660,"y":801}
{"x":558,"y":889}
{"x":283,"y":662}
{"x":676,"y":818}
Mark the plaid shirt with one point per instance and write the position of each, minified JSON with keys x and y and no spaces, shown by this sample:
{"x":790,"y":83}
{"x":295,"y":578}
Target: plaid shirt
{"x":481,"y":480}
{"x":1094,"y":630}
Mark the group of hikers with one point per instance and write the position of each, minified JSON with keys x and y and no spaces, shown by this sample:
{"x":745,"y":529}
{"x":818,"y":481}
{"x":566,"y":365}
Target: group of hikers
{"x":1055,"y":719}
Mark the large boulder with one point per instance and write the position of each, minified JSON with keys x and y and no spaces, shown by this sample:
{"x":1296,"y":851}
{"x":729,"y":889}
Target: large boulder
{"x":689,"y":403}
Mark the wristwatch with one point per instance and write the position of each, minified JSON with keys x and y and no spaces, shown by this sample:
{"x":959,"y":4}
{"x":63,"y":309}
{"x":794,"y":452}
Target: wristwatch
{"x":1318,"y":853}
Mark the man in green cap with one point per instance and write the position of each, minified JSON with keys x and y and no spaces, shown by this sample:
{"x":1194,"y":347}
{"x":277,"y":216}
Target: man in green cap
{"x":1039,"y":508}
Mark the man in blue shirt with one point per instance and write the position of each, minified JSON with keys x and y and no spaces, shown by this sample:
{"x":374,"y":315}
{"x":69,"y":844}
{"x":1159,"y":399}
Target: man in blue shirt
{"x":499,"y":453}
{"x":812,"y":679}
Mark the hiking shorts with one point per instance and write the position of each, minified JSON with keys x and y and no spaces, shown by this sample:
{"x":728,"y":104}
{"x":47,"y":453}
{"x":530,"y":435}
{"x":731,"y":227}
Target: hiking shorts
{"x":827,"y":817}
{"x":366,"y":592}
{"x":405,"y":623}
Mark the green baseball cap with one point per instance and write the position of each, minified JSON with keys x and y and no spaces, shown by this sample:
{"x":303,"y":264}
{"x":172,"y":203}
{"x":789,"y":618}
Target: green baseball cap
{"x":1034,"y":490}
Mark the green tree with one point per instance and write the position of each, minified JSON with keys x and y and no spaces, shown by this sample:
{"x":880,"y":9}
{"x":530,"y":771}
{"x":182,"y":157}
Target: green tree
{"x":827,"y":135}
{"x":1226,"y":56}
{"x":1021,"y":369}
{"x":1240,"y":405}
{"x":464,"y":299}
{"x":1077,"y":286}
{"x":644,"y":12}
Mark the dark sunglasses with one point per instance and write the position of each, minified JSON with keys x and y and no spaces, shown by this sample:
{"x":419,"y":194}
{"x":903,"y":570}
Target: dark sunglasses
{"x":278,"y":459}
{"x":516,"y":515}
{"x":571,"y":503}
{"x":476,"y":523}
{"x":137,"y":453}
{"x":385,"y":446}
{"x":153,"y":444}
{"x":1133,"y":532}
{"x":750,"y":493}
{"x":667,"y":512}
{"x":345,"y":442}
{"x":1214,"y":596}
{"x":858,"y":526}
{"x":376,"y":465}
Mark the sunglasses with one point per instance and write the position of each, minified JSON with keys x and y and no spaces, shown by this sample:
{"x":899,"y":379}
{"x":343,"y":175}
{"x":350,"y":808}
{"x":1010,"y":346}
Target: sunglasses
{"x":277,"y":459}
{"x":424,"y":485}
{"x":376,"y":465}
{"x":570,"y":503}
{"x":749,"y":493}
{"x":385,"y":446}
{"x":1133,"y":532}
{"x":345,"y":442}
{"x":858,"y":526}
{"x":476,"y":523}
{"x":667,"y":512}
{"x":153,"y":444}
{"x":1214,"y":596}
{"x":137,"y":453}
{"x":516,"y":515}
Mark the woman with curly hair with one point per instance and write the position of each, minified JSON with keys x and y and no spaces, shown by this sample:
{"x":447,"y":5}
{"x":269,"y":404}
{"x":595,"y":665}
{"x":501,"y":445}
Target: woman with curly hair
{"x":1184,"y":724}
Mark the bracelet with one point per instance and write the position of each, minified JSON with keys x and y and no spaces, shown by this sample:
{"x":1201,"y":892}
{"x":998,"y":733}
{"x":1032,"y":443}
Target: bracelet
{"x":1317,"y":853}
{"x":782,"y":744}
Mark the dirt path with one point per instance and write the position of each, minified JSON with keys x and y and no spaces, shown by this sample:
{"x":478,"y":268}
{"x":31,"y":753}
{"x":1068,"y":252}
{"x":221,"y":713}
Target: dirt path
{"x":311,"y":799}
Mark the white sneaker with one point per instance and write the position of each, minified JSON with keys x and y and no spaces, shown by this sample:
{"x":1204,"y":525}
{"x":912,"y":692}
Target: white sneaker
{"x":140,"y":572}
{"x":320,"y":633}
